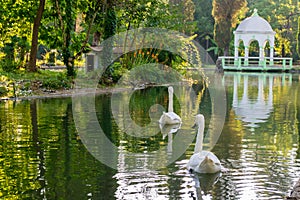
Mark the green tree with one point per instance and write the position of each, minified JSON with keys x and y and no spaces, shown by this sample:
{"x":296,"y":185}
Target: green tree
{"x":74,"y":40}
{"x":183,"y":16}
{"x":140,"y":13}
{"x":226,"y":14}
{"x":67,"y":52}
{"x":176,"y":15}
{"x":16,"y":19}
{"x":283,"y":17}
{"x":204,"y":19}
{"x":110,"y":25}
{"x":35,"y":32}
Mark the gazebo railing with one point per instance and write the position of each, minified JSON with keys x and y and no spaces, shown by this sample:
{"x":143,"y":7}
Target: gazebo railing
{"x":256,"y":63}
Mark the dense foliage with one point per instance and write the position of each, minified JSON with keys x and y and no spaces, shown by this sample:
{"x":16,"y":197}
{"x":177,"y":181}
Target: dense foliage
{"x":283,"y":17}
{"x":71,"y":27}
{"x":226,"y":14}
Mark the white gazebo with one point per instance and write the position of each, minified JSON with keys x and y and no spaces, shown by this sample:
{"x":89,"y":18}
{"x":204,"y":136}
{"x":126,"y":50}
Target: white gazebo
{"x":251,"y":29}
{"x":255,"y":28}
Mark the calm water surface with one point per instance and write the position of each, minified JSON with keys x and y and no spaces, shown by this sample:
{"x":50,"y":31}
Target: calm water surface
{"x":43,"y":156}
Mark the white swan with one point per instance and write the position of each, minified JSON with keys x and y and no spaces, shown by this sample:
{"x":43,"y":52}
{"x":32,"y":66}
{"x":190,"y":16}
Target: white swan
{"x":202,"y":161}
{"x":170,"y":117}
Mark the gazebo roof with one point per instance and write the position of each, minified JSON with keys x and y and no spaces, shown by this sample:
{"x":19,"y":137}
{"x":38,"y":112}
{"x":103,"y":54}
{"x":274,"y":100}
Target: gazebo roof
{"x":254,"y":24}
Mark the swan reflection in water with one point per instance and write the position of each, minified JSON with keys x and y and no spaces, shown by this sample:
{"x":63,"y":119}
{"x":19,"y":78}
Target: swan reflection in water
{"x":169,"y":130}
{"x":204,"y":184}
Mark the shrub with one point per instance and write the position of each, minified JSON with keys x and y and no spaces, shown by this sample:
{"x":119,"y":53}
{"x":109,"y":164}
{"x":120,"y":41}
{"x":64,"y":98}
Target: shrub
{"x":9,"y":65}
{"x":3,"y":91}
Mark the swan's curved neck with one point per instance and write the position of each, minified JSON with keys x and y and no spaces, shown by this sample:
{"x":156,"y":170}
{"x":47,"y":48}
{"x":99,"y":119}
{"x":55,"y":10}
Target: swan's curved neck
{"x":199,"y":139}
{"x":170,"y":108}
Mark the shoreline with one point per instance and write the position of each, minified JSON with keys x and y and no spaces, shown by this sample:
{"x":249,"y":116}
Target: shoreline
{"x":65,"y":93}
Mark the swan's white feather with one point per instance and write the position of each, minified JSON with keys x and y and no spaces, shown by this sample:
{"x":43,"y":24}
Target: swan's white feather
{"x":202,"y":161}
{"x":199,"y":164}
{"x":169,"y":118}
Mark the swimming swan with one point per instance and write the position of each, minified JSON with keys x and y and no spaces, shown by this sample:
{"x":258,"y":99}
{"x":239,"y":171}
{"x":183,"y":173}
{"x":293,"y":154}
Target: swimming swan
{"x":170,"y":117}
{"x":202,"y":161}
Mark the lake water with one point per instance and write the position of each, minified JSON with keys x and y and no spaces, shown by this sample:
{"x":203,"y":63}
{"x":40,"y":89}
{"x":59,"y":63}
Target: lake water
{"x":50,"y":151}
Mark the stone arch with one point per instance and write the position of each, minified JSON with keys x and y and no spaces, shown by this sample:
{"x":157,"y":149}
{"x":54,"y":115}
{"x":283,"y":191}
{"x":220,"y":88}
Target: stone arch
{"x":253,"y":47}
{"x":241,"y":48}
{"x":267,"y":48}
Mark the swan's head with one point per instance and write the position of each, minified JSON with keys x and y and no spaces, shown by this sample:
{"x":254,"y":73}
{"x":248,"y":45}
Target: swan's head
{"x":198,"y":120}
{"x":207,"y":162}
{"x":170,"y":89}
{"x":209,"y":166}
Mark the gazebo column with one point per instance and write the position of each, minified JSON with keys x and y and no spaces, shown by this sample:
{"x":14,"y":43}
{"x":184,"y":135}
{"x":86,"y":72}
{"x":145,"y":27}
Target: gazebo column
{"x":246,"y":62}
{"x":236,"y":55}
{"x":261,"y":56}
{"x":271,"y":56}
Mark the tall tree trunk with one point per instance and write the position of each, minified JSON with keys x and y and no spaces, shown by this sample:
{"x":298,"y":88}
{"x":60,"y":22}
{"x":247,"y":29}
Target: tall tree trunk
{"x":226,"y":13}
{"x":298,"y":38}
{"x":84,"y":46}
{"x":35,"y":35}
{"x":226,"y":50}
{"x":110,"y":22}
{"x":67,"y":54}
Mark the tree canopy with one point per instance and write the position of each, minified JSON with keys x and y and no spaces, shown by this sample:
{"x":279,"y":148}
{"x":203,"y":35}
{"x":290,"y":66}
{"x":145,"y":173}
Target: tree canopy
{"x":71,"y":27}
{"x":227,"y":14}
{"x":282,"y":16}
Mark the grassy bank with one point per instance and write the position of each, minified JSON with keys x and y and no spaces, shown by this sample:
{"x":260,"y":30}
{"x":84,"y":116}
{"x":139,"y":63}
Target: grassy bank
{"x":21,"y":83}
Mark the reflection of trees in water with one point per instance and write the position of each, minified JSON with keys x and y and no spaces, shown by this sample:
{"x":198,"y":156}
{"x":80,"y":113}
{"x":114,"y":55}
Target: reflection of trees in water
{"x":146,"y":105}
{"x":40,"y":135}
{"x":17,"y":171}
{"x":37,"y":144}
{"x":142,"y":100}
{"x":297,"y":105}
{"x":42,"y":157}
{"x":269,"y":146}
{"x":174,"y":184}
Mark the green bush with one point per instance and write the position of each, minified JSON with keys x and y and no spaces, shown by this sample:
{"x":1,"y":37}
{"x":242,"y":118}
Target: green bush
{"x":3,"y":91}
{"x":112,"y":74}
{"x":58,"y":81}
{"x":9,"y":65}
